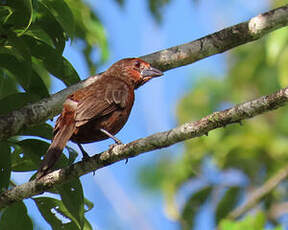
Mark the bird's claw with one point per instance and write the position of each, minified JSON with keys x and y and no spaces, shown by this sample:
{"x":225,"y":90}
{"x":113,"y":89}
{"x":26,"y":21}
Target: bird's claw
{"x":85,"y":157}
{"x":118,"y":142}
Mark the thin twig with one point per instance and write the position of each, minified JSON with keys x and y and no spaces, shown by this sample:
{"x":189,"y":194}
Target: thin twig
{"x":259,"y":194}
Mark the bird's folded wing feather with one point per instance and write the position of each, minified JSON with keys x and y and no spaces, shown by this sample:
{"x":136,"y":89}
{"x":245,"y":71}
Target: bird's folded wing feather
{"x":101,"y":102}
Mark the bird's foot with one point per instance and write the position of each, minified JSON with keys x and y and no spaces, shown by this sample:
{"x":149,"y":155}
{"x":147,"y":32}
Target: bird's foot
{"x":85,"y":155}
{"x":117,"y":141}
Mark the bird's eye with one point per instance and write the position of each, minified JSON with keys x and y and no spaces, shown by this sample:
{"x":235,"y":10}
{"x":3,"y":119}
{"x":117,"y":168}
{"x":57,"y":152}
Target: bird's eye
{"x":137,"y":64}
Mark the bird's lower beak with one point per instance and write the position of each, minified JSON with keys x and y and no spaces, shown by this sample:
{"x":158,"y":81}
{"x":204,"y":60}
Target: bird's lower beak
{"x":151,"y":72}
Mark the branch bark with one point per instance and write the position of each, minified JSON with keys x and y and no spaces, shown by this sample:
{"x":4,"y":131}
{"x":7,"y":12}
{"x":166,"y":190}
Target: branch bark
{"x":157,"y":141}
{"x":219,"y":42}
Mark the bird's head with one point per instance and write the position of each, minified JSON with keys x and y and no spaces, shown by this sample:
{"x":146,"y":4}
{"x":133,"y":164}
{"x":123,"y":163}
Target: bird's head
{"x":134,"y":70}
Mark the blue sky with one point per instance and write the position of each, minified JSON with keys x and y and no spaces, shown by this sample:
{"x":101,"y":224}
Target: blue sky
{"x":120,"y":202}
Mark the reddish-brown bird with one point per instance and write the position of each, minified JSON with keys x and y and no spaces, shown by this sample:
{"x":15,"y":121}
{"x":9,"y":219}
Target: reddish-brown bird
{"x":98,"y":111}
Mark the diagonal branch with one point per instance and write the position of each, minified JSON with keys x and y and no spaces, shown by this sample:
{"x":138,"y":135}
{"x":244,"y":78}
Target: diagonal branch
{"x":259,"y":194}
{"x":219,"y":42}
{"x":156,"y":141}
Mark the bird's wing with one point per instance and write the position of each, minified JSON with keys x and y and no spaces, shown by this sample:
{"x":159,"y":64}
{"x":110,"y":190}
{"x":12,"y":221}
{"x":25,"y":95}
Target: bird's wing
{"x":101,"y":101}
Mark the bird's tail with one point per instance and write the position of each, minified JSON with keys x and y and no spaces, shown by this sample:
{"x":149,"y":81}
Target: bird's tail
{"x":54,"y":151}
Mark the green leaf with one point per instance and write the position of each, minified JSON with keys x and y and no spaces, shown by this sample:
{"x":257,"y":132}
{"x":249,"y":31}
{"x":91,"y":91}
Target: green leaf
{"x":72,"y":197}
{"x":42,"y":130}
{"x":5,"y":13}
{"x":55,"y":213}
{"x":23,"y":51}
{"x":191,"y":207}
{"x":42,"y":72}
{"x":88,"y":204}
{"x":16,"y":101}
{"x":8,"y":85}
{"x":18,"y":62}
{"x":33,"y":82}
{"x":5,"y":165}
{"x":227,"y":203}
{"x":87,"y":225}
{"x":53,"y":61}
{"x":9,"y":61}
{"x":37,"y":86}
{"x":15,"y":217}
{"x":21,"y":16}
{"x":258,"y":221}
{"x":227,"y":225}
{"x":251,"y":222}
{"x":27,"y":154}
{"x":40,"y":34}
{"x":62,"y":13}
{"x":47,"y":22}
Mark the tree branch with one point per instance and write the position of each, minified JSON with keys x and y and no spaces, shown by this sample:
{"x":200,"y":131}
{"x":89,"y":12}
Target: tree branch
{"x":259,"y":194}
{"x":221,"y":41}
{"x":159,"y":140}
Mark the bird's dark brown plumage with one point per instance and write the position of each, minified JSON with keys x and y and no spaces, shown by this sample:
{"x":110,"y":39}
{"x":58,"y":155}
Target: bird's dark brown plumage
{"x":105,"y":104}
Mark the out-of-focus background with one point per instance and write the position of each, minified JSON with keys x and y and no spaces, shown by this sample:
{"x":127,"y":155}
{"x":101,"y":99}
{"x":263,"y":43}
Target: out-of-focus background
{"x":191,"y":185}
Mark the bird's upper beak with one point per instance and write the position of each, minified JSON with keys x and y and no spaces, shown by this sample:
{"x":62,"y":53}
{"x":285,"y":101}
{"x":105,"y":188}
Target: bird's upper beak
{"x":151,"y":72}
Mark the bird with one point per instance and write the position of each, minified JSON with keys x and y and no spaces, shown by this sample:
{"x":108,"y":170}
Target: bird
{"x":98,"y":111}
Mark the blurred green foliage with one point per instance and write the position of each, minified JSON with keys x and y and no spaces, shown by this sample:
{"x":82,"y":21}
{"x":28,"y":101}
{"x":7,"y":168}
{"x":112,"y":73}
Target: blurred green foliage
{"x":258,"y":147}
{"x":256,"y":222}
